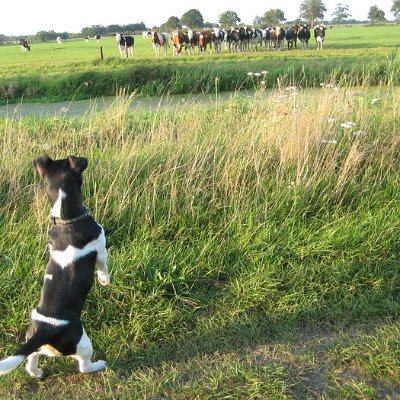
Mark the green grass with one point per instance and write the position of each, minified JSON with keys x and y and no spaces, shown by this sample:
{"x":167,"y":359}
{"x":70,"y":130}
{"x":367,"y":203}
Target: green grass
{"x":52,"y":72}
{"x":249,"y":259}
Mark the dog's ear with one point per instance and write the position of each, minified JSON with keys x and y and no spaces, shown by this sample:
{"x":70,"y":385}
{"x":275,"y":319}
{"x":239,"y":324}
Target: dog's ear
{"x":79,"y":164}
{"x":41,"y":164}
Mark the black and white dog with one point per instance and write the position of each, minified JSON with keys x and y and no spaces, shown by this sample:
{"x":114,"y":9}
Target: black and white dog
{"x":77,"y":246}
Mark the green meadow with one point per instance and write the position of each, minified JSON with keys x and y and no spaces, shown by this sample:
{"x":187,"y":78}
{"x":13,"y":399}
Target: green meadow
{"x":253,"y":244}
{"x":53,"y":72}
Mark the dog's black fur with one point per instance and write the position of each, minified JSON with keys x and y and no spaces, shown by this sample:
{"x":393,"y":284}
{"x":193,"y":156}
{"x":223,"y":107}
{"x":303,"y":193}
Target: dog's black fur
{"x":63,"y":296}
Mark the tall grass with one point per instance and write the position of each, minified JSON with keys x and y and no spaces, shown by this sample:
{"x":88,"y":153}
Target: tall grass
{"x":224,"y":224}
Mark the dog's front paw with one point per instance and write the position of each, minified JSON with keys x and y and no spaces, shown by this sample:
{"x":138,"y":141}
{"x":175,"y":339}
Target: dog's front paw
{"x":104,"y":279}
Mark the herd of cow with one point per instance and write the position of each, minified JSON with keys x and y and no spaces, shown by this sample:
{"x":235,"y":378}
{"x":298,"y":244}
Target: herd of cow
{"x":233,"y":40}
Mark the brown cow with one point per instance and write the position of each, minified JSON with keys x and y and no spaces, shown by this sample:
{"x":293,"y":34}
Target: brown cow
{"x":178,"y":41}
{"x":204,"y":39}
{"x":277,"y":37}
{"x":159,"y":40}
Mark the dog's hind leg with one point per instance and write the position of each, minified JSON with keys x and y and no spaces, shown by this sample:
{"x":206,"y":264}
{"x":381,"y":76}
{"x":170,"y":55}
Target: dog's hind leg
{"x":32,"y":365}
{"x":84,"y":351}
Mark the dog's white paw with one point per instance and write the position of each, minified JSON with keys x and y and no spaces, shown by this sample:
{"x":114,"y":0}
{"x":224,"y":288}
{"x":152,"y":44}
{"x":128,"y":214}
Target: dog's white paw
{"x":35,"y":372}
{"x":99,"y":365}
{"x":104,"y":279}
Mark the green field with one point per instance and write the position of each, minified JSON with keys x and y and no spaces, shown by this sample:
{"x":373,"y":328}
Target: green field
{"x":253,"y":244}
{"x":52,"y":72}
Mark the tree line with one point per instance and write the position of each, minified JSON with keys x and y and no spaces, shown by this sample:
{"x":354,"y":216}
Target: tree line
{"x":310,"y":11}
{"x":90,"y":31}
{"x":93,"y":30}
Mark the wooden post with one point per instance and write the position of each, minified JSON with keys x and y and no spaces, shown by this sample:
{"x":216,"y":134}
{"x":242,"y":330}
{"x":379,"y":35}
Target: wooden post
{"x":101,"y":53}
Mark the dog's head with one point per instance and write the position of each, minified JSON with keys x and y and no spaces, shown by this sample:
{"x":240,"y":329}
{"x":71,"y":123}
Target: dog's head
{"x":63,"y":174}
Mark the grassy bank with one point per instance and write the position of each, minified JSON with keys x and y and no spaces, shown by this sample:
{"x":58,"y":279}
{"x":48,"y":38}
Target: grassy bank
{"x":52,"y":72}
{"x":253,"y":248}
{"x":169,"y":78}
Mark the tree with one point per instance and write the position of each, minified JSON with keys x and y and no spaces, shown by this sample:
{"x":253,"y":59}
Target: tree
{"x":208,"y":24}
{"x":273,"y":17}
{"x":171,"y":24}
{"x":375,"y":14}
{"x":396,"y":8}
{"x":41,"y":36}
{"x":258,"y":22}
{"x":192,"y":19}
{"x":228,"y":18}
{"x":312,"y":10}
{"x":340,"y":13}
{"x":113,"y":28}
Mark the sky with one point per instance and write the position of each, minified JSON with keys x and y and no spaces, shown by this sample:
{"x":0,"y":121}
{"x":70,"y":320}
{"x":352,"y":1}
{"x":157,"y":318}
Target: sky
{"x":31,"y":16}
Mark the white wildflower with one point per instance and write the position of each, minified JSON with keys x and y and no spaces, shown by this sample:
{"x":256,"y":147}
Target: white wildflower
{"x":250,"y":73}
{"x":360,"y":133}
{"x":375,"y":101}
{"x":329,"y":141}
{"x":348,"y":125}
{"x":257,"y":74}
{"x":331,"y":120}
{"x":264,"y":72}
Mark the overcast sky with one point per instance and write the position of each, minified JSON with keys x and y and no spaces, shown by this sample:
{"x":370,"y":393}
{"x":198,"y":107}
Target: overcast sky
{"x":30,"y":16}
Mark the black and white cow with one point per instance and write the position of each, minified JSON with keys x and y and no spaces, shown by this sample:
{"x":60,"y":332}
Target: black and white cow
{"x":98,"y":37}
{"x":319,"y":35}
{"x":266,"y":34}
{"x":125,"y":45}
{"x":233,"y":39}
{"x":304,"y":34}
{"x":291,"y":37}
{"x":256,"y":38}
{"x":24,"y":45}
{"x":244,"y":38}
{"x":217,"y":36}
{"x":193,"y":41}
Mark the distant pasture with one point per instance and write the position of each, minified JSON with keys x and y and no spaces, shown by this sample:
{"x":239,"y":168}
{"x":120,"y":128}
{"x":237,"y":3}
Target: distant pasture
{"x":377,"y":41}
{"x":59,"y":71}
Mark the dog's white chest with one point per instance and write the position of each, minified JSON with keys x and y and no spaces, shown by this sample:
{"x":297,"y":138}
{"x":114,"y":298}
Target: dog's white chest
{"x":72,"y":253}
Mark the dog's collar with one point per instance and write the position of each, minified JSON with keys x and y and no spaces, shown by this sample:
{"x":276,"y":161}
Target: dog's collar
{"x":61,"y":221}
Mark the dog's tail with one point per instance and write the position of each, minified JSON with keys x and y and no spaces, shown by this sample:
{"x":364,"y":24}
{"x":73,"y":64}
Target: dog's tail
{"x":33,"y":344}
